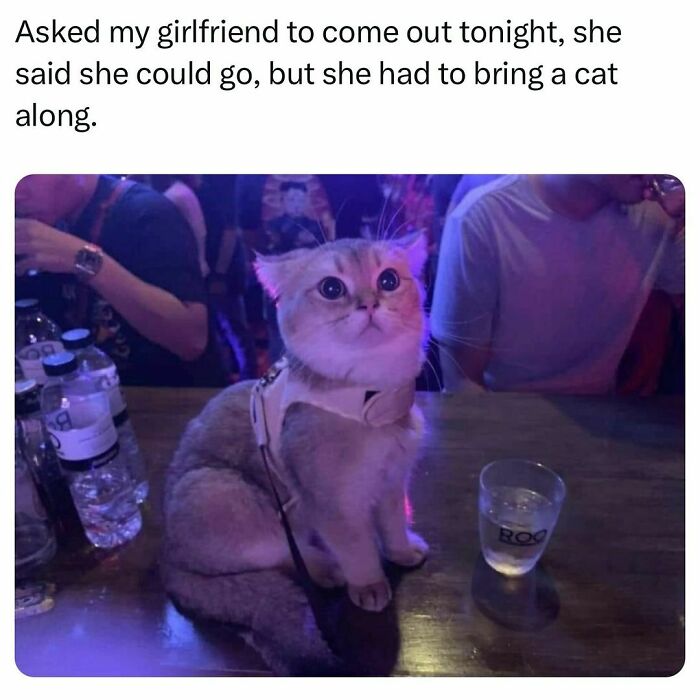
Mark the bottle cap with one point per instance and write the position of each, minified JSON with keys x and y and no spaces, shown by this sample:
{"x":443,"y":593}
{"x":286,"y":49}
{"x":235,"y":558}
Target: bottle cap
{"x":26,"y":306}
{"x":26,"y":397}
{"x":59,"y":364}
{"x":77,"y":338}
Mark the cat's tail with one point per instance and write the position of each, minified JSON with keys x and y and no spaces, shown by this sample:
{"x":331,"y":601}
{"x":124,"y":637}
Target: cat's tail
{"x":279,"y":621}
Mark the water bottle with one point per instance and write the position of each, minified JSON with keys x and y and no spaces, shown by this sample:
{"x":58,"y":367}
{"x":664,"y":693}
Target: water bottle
{"x":35,"y":542}
{"x":100,"y":367}
{"x":80,"y":424}
{"x":36,"y":337}
{"x":42,"y":460}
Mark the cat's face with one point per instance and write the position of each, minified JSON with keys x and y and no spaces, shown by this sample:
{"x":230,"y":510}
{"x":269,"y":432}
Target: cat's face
{"x":352,"y":309}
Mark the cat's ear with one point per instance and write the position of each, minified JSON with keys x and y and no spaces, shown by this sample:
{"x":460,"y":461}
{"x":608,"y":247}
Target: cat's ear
{"x":415,"y":248}
{"x":274,"y":271}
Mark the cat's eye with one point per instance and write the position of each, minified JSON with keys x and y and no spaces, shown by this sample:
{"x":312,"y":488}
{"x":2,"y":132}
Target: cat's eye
{"x":331,"y":288}
{"x":388,"y":280}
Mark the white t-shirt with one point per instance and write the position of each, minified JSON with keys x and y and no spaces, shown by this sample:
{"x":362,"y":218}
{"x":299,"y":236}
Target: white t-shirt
{"x":556,"y":299}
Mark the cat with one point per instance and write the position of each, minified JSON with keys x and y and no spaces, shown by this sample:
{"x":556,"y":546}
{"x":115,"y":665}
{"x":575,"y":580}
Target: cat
{"x":351,"y":316}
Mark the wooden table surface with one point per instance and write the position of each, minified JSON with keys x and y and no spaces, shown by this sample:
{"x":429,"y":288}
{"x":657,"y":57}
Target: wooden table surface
{"x":606,"y":599}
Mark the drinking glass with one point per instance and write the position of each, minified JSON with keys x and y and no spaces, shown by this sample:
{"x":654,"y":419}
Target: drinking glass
{"x":519,"y":503}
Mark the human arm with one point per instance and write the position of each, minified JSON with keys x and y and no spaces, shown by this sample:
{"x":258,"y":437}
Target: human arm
{"x":671,"y":271}
{"x":158,"y":315}
{"x":669,"y":194}
{"x":463,"y":367}
{"x":154,"y":312}
{"x":465,"y":300}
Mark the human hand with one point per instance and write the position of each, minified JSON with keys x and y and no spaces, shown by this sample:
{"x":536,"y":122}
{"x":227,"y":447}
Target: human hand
{"x":669,"y":193}
{"x":41,"y":247}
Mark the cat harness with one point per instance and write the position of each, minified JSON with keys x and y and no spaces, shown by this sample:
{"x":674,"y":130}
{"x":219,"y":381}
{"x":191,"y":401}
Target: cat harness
{"x":279,"y":389}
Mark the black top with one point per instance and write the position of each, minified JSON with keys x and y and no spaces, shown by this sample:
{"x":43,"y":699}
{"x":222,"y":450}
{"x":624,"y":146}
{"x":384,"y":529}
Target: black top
{"x":144,"y":232}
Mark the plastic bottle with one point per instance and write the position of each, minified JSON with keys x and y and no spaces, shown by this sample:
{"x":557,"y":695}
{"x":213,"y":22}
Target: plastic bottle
{"x":39,"y":453}
{"x":36,"y":337}
{"x":35,"y":542}
{"x":79,"y":421}
{"x":100,"y":367}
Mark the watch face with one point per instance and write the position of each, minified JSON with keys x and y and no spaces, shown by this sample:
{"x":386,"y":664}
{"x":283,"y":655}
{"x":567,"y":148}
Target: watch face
{"x":88,"y":261}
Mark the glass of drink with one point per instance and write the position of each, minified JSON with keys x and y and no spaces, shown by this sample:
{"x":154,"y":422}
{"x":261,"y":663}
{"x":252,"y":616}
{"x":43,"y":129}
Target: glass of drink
{"x":519,"y":503}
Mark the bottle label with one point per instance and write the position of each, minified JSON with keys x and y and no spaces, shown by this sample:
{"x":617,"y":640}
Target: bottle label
{"x":107,"y":380}
{"x":80,"y":449}
{"x":31,"y":356}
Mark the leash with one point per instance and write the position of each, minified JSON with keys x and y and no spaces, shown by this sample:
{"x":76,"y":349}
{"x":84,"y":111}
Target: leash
{"x":314,"y":595}
{"x":374,"y":408}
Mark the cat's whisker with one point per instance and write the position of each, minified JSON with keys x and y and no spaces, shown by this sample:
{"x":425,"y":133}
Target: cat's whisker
{"x":448,"y":354}
{"x":475,"y":346}
{"x":468,"y":321}
{"x":317,"y":243}
{"x":471,"y":342}
{"x":464,"y":342}
{"x":389,"y":225}
{"x":405,"y":225}
{"x":380,"y":222}
{"x":461,"y":337}
{"x":385,"y":229}
{"x":339,"y":211}
{"x":429,"y":364}
{"x":322,"y":230}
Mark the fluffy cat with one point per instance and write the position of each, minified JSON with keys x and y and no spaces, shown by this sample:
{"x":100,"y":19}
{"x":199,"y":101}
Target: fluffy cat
{"x":351,"y":316}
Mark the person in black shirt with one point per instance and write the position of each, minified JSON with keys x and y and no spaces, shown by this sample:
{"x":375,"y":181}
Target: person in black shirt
{"x":119,"y":258}
{"x":293,"y":229}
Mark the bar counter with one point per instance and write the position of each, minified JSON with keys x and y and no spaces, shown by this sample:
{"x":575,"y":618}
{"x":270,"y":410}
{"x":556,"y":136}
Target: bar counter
{"x":606,"y":599}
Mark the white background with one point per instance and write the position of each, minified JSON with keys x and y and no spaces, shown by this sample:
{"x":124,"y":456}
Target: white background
{"x":647,"y":124}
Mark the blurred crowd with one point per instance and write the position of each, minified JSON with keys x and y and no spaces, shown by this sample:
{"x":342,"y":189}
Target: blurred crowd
{"x":555,"y":284}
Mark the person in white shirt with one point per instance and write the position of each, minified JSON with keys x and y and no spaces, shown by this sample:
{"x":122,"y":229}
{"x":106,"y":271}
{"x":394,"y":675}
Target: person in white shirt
{"x":541,"y":279}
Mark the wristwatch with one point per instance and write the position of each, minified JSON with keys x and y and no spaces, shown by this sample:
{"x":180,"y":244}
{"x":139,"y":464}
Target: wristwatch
{"x":88,"y":261}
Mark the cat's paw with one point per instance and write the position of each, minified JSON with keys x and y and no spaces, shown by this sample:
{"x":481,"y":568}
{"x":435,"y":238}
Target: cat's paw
{"x":414,"y":555}
{"x":374,"y":597}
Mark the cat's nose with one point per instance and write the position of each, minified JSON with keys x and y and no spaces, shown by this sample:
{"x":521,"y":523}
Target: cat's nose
{"x":367,"y":302}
